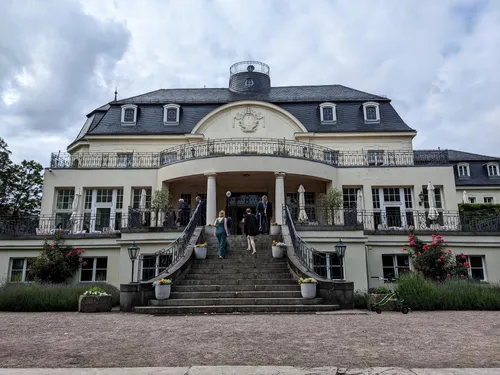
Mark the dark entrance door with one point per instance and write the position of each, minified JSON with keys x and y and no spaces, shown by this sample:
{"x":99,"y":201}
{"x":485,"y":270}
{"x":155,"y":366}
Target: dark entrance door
{"x":237,"y":206}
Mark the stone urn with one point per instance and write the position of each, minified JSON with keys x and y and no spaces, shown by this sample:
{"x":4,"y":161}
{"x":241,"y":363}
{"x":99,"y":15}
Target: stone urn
{"x":275,"y":230}
{"x":278,"y":251}
{"x":162,"y":291}
{"x":200,"y":252}
{"x":308,"y":290}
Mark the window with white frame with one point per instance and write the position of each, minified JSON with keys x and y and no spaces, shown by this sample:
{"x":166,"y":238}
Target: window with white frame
{"x":463,"y":170}
{"x":102,"y":210}
{"x":63,"y":209}
{"x":129,"y":115}
{"x":153,"y":265}
{"x":94,"y":269}
{"x":136,"y":197}
{"x":493,"y":170}
{"x":171,"y":114}
{"x":371,"y":112}
{"x":488,"y":200}
{"x":393,"y":207}
{"x":393,"y":266}
{"x":477,"y":267}
{"x":328,"y":113}
{"x":20,"y":270}
{"x":472,"y":200}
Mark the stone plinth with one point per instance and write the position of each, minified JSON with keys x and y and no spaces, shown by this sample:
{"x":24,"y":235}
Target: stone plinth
{"x":90,"y":304}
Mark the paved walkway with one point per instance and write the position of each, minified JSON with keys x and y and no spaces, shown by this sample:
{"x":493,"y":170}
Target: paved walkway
{"x":249,"y":370}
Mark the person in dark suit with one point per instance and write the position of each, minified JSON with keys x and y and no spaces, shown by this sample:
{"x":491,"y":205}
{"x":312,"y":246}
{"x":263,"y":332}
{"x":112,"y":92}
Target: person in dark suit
{"x":200,"y":204}
{"x":183,"y":212}
{"x":251,"y":229}
{"x":264,"y":214}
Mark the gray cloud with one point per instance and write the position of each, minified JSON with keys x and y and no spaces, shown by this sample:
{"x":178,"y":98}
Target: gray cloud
{"x":438,"y":61}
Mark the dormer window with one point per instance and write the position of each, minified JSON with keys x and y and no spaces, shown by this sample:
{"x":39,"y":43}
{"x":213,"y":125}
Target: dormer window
{"x":129,"y":115}
{"x":493,"y":170}
{"x":171,"y":114}
{"x":371,"y":112}
{"x":463,"y":170}
{"x":328,"y":113}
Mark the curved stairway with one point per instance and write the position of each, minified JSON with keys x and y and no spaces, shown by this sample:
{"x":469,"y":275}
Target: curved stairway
{"x":240,"y":283}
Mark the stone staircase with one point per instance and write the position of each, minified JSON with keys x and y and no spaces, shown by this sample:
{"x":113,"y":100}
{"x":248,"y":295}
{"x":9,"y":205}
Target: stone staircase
{"x":240,"y":283}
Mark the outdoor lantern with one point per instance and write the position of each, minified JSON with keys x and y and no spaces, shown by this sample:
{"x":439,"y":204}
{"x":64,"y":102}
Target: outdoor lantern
{"x":133,"y":252}
{"x":340,"y":249}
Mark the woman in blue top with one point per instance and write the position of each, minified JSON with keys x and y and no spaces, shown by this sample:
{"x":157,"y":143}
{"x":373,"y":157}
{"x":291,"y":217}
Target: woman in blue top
{"x":221,"y":232}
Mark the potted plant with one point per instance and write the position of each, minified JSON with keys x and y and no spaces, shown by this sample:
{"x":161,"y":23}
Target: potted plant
{"x":200,"y":250}
{"x":275,"y":229}
{"x":162,"y":288}
{"x":308,"y":287}
{"x":332,"y":203}
{"x":95,"y":299}
{"x":160,"y":204}
{"x":278,"y":249}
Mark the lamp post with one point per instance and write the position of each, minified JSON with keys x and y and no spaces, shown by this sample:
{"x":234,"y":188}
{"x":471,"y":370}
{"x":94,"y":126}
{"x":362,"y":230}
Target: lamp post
{"x":133,"y":252}
{"x":340,"y":249}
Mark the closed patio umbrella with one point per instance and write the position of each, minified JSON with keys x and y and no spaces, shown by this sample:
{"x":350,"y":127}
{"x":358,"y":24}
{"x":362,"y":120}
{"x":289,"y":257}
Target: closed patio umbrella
{"x":302,"y":205}
{"x":433,"y":212}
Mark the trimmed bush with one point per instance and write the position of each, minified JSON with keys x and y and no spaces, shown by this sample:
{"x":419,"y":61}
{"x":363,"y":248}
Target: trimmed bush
{"x":383,"y":289}
{"x":34,"y":297}
{"x":453,"y":294}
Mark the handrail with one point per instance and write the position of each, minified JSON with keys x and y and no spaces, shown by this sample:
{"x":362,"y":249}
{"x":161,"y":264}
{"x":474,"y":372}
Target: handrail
{"x":248,"y":147}
{"x":170,"y":255}
{"x":308,"y":256}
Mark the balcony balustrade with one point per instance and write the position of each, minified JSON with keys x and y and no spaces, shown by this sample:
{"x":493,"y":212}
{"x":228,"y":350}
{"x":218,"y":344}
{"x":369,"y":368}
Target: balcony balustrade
{"x":246,"y":147}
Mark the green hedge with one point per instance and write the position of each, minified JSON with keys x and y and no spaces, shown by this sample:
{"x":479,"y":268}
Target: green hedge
{"x":454,"y":294}
{"x":479,"y":208}
{"x":47,"y":297}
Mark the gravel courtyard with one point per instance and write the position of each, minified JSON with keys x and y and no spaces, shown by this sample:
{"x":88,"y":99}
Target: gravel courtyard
{"x":419,"y":339}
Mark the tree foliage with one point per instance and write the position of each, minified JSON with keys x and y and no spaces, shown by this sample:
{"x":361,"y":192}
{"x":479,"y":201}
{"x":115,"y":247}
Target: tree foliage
{"x":434,"y":260}
{"x":57,"y":262}
{"x":20,"y":185}
{"x":161,"y":200}
{"x":332,"y":199}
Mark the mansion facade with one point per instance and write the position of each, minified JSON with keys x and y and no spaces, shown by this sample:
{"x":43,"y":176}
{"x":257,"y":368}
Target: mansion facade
{"x":232,"y":145}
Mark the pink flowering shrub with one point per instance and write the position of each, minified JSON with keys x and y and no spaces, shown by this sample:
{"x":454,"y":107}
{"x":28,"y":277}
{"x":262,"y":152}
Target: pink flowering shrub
{"x":435,"y":260}
{"x":57,"y":262}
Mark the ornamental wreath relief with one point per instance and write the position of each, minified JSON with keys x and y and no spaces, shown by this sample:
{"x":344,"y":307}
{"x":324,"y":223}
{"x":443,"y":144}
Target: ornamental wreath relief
{"x":248,"y":120}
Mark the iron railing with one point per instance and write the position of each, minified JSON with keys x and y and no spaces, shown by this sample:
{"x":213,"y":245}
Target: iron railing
{"x":152,"y":265}
{"x":324,"y":265}
{"x":247,"y":147}
{"x":138,"y":218}
{"x":243,"y":66}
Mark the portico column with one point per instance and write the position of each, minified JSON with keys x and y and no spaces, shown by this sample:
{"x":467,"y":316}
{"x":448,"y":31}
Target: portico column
{"x":279,"y":197}
{"x":211,"y":198}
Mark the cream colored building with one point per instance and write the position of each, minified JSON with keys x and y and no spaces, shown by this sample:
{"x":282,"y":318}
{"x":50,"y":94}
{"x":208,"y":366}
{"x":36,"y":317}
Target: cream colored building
{"x":252,"y":139}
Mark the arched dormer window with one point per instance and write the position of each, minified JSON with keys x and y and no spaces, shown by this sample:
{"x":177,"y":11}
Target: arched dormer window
{"x":171,"y":114}
{"x":371,"y":112}
{"x":129,"y":115}
{"x":463,"y":170}
{"x":328,"y":113}
{"x":493,"y":169}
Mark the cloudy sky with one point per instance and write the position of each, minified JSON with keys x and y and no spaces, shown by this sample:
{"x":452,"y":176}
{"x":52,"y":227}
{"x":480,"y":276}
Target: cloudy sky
{"x":437,"y":60}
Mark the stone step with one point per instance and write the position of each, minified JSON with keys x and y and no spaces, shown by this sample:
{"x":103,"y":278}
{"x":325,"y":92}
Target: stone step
{"x":237,"y":270}
{"x":235,"y":301}
{"x":231,"y":309}
{"x":249,"y":294}
{"x":226,"y":281}
{"x":238,"y":276}
{"x":232,"y":263}
{"x":231,"y":255}
{"x":235,"y":288}
{"x":239,"y":260}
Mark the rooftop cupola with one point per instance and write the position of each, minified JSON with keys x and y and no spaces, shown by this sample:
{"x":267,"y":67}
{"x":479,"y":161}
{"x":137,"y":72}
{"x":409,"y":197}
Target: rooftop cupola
{"x":249,"y":76}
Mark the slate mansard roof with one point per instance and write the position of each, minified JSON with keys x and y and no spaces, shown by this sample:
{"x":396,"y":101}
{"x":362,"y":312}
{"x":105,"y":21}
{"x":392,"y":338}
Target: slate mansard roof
{"x":477,"y":167}
{"x":301,"y":101}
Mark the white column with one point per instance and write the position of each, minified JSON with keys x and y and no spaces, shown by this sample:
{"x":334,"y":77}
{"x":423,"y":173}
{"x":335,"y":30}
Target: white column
{"x":211,"y":198}
{"x":279,"y":197}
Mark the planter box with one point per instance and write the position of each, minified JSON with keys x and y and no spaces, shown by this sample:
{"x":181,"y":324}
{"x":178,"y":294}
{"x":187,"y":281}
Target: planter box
{"x":90,"y":304}
{"x":162,"y":291}
{"x":372,"y":298}
{"x":278,"y":251}
{"x":200,"y":252}
{"x":308,"y":290}
{"x":275,"y":230}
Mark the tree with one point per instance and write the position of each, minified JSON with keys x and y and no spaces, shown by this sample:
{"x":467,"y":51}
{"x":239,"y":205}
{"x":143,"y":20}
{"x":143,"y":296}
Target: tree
{"x":57,"y":262}
{"x":434,"y":261}
{"x":160,"y":202}
{"x":332,"y":202}
{"x":20,"y":185}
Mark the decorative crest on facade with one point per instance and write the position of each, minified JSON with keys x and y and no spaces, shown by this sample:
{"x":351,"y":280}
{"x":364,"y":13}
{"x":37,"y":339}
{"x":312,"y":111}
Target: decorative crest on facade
{"x":248,"y":120}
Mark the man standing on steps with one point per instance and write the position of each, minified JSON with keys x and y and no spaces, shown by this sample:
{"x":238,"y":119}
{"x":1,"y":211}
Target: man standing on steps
{"x":264,"y":213}
{"x":200,"y":205}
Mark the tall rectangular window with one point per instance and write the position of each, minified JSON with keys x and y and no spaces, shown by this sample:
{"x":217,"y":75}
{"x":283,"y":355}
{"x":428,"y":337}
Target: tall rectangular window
{"x":63,"y":209}
{"x":94,"y":269}
{"x":395,"y":265}
{"x":20,"y":270}
{"x":136,"y":198}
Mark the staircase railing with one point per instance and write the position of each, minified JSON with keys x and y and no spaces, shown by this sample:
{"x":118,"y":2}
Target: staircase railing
{"x":152,"y":265}
{"x":324,"y":265}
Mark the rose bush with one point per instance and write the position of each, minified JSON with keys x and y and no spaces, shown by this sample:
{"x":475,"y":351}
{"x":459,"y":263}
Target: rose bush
{"x":435,"y":260}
